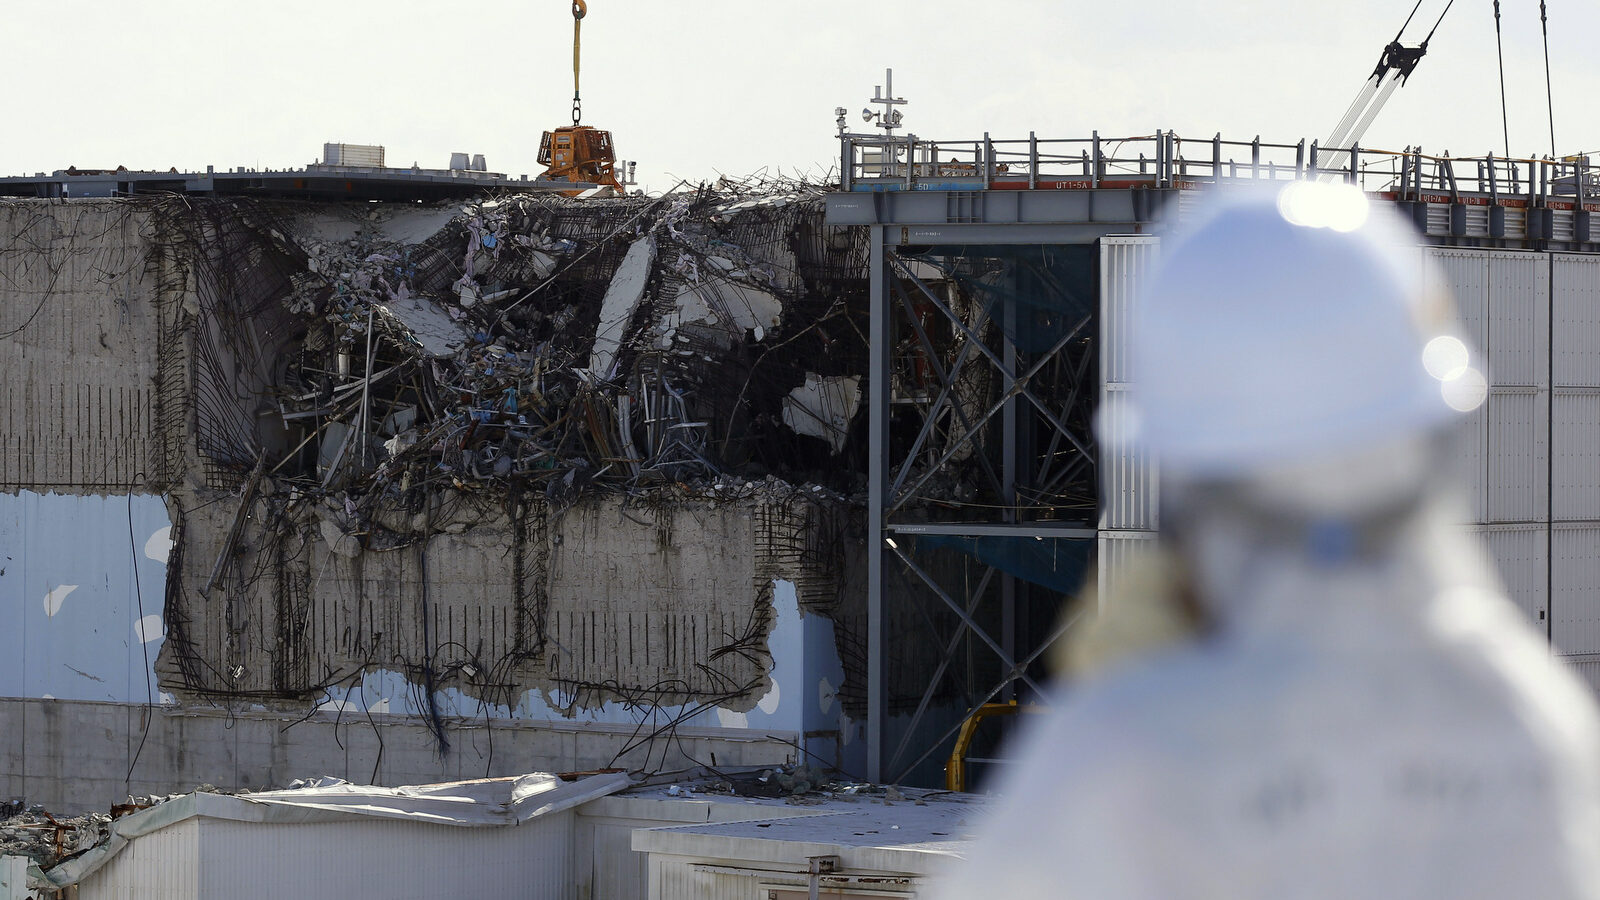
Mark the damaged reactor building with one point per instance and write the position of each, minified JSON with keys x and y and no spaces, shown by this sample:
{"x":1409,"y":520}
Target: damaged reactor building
{"x":410,"y":489}
{"x":415,"y":491}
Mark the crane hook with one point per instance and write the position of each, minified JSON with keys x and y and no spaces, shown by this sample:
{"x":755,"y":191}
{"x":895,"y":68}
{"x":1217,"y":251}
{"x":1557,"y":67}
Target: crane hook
{"x":580,"y":8}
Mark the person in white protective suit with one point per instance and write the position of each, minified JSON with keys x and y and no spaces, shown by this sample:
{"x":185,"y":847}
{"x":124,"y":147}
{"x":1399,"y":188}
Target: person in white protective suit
{"x":1360,"y":712}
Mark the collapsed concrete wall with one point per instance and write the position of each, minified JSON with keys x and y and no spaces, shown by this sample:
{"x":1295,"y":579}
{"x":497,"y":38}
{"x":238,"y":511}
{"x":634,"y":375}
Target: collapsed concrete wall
{"x":389,"y":458}
{"x":425,"y":440}
{"x":665,"y":601}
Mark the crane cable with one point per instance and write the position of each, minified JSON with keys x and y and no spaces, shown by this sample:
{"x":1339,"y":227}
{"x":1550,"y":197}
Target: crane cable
{"x":1441,"y":19}
{"x":1356,"y":104}
{"x":580,"y":8}
{"x":1505,"y":127}
{"x":1362,"y":98}
{"x":1549,"y":100}
{"x":1413,"y":15}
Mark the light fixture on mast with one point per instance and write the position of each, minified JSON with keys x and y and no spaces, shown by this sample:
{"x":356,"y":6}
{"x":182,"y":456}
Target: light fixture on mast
{"x":889,"y":118}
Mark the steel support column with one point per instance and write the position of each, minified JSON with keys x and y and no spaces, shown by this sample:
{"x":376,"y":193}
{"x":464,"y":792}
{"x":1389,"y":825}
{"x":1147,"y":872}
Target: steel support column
{"x":877,"y":492}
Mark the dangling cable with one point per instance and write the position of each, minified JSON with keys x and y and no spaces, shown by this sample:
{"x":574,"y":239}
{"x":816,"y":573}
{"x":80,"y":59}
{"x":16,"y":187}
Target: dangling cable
{"x":1549,"y":101}
{"x":1499,"y":52}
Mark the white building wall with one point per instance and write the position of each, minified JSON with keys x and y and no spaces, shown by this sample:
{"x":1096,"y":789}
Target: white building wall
{"x":1503,"y":303}
{"x":1575,"y":488}
{"x":1574,"y":288}
{"x":1130,"y":494}
{"x":680,"y":878}
{"x":1575,"y":460}
{"x":169,"y":858}
{"x":388,"y":858}
{"x":1575,"y":587}
{"x":1521,"y":554}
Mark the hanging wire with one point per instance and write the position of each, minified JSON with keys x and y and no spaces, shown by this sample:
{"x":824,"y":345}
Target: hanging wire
{"x":1438,"y":20}
{"x":1408,"y":20}
{"x":1360,"y":102}
{"x":1550,"y":106}
{"x":144,"y":644}
{"x":1499,"y":51}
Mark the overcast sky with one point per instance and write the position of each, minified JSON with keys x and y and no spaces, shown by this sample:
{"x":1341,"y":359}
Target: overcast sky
{"x":694,"y":88}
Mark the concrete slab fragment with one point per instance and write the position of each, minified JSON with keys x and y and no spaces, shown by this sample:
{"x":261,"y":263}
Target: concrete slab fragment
{"x":621,"y":301}
{"x":823,"y":407}
{"x":736,"y":306}
{"x":435,"y":332}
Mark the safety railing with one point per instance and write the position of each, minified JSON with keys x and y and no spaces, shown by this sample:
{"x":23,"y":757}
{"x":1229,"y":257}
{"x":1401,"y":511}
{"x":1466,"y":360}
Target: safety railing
{"x":1164,"y":159}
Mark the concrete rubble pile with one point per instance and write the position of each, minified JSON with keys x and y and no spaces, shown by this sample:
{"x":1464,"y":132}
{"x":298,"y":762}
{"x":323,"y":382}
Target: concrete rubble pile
{"x":628,"y":343}
{"x":44,"y":839}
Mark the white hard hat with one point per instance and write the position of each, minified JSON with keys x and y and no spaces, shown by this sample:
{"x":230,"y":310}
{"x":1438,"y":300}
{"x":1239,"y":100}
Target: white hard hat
{"x":1288,"y":325}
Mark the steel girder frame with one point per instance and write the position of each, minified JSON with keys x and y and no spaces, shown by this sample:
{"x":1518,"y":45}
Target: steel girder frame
{"x":1014,"y":447}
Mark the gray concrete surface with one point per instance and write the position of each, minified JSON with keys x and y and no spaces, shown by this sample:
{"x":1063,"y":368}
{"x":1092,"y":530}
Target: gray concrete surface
{"x":75,"y":756}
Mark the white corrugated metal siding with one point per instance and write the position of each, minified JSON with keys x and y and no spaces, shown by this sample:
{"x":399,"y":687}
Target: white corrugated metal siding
{"x":678,"y":878}
{"x":1575,"y":473}
{"x":1128,"y":488}
{"x":1464,"y":274}
{"x":1575,"y":298}
{"x":1519,"y":318}
{"x":1575,"y":457}
{"x":1520,"y":553}
{"x":616,"y":870}
{"x":1125,"y":261}
{"x":164,"y":863}
{"x":1575,"y":587}
{"x":1117,"y":552}
{"x":1588,"y":670}
{"x":1518,"y":455}
{"x":389,"y":858}
{"x":1503,"y":299}
{"x":1469,"y":461}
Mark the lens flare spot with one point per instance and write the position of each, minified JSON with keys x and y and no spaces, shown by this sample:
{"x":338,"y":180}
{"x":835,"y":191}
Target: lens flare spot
{"x":1314,"y":204}
{"x":1445,"y":357}
{"x":1465,"y":392}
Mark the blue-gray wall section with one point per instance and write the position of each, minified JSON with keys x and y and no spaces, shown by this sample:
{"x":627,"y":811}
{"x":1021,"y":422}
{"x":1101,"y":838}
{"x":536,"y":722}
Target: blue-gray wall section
{"x":81,"y":599}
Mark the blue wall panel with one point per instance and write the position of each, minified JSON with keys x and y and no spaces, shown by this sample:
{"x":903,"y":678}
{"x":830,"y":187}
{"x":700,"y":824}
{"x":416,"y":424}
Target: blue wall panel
{"x":80,"y":596}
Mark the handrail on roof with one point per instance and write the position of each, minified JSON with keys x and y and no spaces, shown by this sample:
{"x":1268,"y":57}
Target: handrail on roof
{"x":1159,"y":160}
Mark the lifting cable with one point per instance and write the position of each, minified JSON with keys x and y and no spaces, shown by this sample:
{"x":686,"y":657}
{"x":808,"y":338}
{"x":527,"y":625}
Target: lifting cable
{"x":580,"y":8}
{"x":1499,"y":51}
{"x":1362,"y":98}
{"x":1549,"y":101}
{"x":1441,"y":19}
{"x":1413,"y":15}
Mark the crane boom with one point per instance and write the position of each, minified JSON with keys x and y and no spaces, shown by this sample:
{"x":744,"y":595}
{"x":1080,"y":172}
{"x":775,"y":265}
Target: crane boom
{"x":1395,"y":66}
